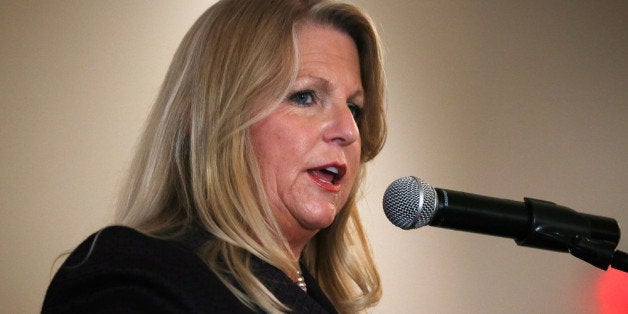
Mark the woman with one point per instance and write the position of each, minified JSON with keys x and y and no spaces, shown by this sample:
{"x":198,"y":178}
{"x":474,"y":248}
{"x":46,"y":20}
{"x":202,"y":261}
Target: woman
{"x":242,"y":194}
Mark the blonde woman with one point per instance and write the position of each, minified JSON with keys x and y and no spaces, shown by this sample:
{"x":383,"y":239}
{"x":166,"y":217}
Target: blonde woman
{"x":242,"y":194}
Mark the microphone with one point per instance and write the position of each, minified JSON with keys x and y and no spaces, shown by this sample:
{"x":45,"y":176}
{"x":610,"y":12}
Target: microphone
{"x":410,"y":203}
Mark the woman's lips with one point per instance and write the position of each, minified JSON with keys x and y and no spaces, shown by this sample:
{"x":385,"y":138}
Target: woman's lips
{"x":328,"y":177}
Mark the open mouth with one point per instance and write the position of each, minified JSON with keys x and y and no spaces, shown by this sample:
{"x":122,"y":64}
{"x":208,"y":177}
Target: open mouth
{"x":330,"y":174}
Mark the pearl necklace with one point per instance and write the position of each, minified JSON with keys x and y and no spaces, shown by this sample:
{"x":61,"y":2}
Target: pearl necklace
{"x":301,"y":281}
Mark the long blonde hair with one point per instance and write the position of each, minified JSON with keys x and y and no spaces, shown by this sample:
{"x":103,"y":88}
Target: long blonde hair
{"x":195,"y":164}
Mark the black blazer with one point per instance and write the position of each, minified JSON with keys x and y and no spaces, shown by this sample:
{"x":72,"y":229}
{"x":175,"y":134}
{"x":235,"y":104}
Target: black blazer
{"x":123,"y":271}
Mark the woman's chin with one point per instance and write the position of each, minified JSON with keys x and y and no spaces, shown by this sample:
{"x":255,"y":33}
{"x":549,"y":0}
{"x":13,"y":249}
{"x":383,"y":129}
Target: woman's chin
{"x":320,"y":218}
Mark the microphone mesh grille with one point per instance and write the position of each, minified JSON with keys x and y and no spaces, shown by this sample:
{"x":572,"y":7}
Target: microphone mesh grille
{"x":410,"y":202}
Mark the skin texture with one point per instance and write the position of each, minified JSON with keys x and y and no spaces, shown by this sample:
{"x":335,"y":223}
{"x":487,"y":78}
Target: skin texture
{"x":312,"y":129}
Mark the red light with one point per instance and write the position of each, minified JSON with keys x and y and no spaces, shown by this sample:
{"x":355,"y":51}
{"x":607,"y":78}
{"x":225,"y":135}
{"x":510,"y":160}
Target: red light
{"x":612,"y":292}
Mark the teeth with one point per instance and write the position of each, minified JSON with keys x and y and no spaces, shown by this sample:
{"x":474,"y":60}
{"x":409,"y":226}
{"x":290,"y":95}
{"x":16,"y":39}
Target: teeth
{"x":332,"y":169}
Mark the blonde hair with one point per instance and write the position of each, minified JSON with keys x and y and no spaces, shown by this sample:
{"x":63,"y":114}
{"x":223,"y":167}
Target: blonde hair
{"x":195,"y":165}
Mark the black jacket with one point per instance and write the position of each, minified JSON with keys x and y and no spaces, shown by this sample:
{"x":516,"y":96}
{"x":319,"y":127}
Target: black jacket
{"x":129,"y":272}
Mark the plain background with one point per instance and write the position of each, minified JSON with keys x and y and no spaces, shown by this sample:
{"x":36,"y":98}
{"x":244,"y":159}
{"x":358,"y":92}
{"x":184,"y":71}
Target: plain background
{"x":500,"y":98}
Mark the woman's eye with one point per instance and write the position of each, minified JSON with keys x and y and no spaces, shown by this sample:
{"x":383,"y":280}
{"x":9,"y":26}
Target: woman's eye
{"x":356,"y":111}
{"x":303,"y":98}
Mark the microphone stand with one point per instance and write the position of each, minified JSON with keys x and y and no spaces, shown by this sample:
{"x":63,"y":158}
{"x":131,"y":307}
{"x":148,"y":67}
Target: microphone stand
{"x":598,"y":253}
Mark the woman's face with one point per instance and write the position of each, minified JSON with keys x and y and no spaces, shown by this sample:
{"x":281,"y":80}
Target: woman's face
{"x":308,"y":148}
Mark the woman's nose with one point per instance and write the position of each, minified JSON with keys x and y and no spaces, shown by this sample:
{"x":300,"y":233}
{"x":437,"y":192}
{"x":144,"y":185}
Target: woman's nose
{"x":341,"y":127}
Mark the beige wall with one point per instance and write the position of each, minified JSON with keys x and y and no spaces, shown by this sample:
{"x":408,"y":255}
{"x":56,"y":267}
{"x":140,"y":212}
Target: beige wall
{"x":508,"y":99}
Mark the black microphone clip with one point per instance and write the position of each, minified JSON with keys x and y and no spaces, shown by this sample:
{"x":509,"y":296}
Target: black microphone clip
{"x":590,"y":238}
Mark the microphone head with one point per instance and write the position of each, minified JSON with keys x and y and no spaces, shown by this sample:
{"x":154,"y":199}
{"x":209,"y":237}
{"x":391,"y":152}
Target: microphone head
{"x":410,"y":203}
